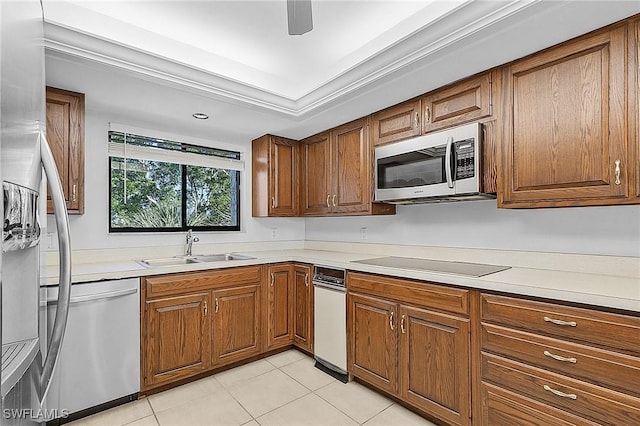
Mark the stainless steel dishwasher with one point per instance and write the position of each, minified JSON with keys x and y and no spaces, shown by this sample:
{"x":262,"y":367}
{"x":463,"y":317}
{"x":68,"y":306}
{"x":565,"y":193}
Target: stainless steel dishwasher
{"x":99,"y":363}
{"x":330,"y":319}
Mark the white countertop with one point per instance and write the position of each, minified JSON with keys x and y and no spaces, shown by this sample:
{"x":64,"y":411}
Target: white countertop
{"x":598,"y":289}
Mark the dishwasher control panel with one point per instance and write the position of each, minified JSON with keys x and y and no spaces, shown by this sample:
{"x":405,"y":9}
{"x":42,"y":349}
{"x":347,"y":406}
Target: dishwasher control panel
{"x":329,"y":276}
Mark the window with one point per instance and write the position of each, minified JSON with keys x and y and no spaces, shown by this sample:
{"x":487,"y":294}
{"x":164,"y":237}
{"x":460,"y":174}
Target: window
{"x":162,"y":185}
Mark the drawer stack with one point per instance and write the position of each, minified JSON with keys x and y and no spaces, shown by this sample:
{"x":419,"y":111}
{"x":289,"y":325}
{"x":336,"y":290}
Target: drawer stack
{"x":552,"y":364}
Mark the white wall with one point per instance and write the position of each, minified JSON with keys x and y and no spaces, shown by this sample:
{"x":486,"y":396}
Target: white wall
{"x":611,"y":230}
{"x":91,"y":230}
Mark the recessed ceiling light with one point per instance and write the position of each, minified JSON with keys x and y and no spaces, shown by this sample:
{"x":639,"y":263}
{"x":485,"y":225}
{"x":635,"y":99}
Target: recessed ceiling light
{"x":200,"y":115}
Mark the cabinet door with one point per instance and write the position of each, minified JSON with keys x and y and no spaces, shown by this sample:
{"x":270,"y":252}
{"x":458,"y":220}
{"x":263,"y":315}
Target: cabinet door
{"x":434,"y":355}
{"x":283,"y":181}
{"x":303,"y":301}
{"x":373,"y":341}
{"x":565,"y":141}
{"x":396,"y":123}
{"x":316,"y":175}
{"x":236,"y":324}
{"x":177,"y":338}
{"x":634,"y":92}
{"x":65,"y":135}
{"x":463,"y":102}
{"x":352,"y":168}
{"x":280,"y":306}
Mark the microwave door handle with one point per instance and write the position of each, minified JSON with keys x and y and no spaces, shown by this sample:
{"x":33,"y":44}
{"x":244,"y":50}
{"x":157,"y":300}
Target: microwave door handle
{"x":447,"y":162}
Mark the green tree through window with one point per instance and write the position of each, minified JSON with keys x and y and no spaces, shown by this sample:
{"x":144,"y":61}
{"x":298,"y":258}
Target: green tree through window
{"x":148,"y":195}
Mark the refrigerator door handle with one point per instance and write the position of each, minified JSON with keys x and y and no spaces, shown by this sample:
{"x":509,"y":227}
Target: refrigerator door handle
{"x":64,"y":247}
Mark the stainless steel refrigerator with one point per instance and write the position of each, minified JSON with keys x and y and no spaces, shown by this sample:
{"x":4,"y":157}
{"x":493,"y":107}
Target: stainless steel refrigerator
{"x":27,"y":366}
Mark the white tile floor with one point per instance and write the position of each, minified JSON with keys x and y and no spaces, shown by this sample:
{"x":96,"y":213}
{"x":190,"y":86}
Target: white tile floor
{"x":284,"y":389}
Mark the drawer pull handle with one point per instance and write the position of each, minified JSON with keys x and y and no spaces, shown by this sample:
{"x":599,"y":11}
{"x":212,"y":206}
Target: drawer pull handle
{"x":402,"y":325}
{"x":560,"y":358}
{"x":560,"y":322}
{"x":391,"y":320}
{"x":561,"y":394}
{"x":617,"y":172}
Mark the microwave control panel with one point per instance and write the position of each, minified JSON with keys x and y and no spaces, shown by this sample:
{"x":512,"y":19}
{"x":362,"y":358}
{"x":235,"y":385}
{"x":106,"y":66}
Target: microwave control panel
{"x":464,"y":158}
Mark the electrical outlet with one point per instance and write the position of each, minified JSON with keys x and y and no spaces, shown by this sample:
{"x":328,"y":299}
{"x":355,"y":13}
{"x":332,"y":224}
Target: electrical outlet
{"x":49,"y":240}
{"x":274,"y":233}
{"x":363,"y":233}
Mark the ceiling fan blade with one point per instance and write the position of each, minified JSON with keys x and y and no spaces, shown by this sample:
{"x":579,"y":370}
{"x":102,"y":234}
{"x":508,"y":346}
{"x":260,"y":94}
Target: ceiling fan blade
{"x":299,"y":14}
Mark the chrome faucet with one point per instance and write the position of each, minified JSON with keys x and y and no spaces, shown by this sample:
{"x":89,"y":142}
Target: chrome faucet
{"x":190,"y":240}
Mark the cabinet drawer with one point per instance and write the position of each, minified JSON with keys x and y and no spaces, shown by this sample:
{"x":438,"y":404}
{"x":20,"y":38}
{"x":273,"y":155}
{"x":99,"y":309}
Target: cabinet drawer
{"x":501,"y":407}
{"x":606,"y":368}
{"x":416,"y":292}
{"x":620,"y":332}
{"x":164,"y":285}
{"x":586,"y":400}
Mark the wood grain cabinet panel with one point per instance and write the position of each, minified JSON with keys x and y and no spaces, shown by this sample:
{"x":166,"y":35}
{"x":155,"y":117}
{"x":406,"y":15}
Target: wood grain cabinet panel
{"x":565,"y":139}
{"x":316,"y":174}
{"x":337,"y":173}
{"x":177,"y":338}
{"x":396,"y":123}
{"x":373,"y":341}
{"x":280,"y":306}
{"x":236,"y":324}
{"x":463,"y":102}
{"x":634,"y":95}
{"x":416,"y":353}
{"x":274,"y":176}
{"x":65,"y":135}
{"x":303,"y":301}
{"x":435,"y":367}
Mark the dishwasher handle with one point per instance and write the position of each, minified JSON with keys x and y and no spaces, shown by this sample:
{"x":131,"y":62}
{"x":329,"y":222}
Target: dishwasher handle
{"x":96,"y":296}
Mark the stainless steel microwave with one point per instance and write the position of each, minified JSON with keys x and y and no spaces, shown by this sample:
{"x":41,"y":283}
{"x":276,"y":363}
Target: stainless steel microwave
{"x":442,"y":166}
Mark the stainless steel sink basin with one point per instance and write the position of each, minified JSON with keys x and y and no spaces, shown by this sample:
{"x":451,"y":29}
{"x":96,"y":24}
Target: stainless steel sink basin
{"x":167,"y":261}
{"x":221,"y":257}
{"x":186,"y":260}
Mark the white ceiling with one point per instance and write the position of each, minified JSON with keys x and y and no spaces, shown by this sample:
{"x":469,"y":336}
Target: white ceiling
{"x":160,"y":61}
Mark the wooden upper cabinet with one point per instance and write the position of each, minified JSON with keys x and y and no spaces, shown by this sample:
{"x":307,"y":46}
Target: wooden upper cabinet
{"x":634,"y":94}
{"x":565,"y":137}
{"x":65,"y":134}
{"x":316,"y":174}
{"x":337,"y":172}
{"x":396,"y":123}
{"x":274,"y":176}
{"x":352,"y":168}
{"x":463,"y":102}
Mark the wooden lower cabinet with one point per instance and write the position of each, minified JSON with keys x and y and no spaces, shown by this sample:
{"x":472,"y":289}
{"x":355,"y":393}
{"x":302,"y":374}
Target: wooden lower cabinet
{"x":543,"y":363}
{"x":279,"y":316}
{"x":414,"y":352}
{"x":196,"y":321}
{"x":236,"y":324}
{"x":434,"y":355}
{"x":303,"y":308}
{"x":177,"y":338}
{"x":373,"y":341}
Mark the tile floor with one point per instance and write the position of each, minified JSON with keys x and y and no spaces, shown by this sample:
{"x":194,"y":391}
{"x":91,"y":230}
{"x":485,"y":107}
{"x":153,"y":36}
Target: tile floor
{"x":284,"y":389}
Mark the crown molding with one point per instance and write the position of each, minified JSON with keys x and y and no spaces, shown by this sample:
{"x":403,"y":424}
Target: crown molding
{"x":465,"y":25}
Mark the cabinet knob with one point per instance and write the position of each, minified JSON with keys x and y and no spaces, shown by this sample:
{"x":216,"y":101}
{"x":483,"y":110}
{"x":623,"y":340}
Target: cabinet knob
{"x":328,"y":197}
{"x":204,"y":307}
{"x":402,"y":325}
{"x":617,"y":171}
{"x":217,"y":305}
{"x":416,"y":120}
{"x":273,"y":202}
{"x":306,"y":280}
{"x":427,"y":115}
{"x":334,"y":200}
{"x":391,"y":320}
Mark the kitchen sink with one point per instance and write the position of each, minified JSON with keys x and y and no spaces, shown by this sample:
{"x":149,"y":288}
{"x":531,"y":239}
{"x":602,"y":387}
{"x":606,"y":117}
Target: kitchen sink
{"x":187,"y":260}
